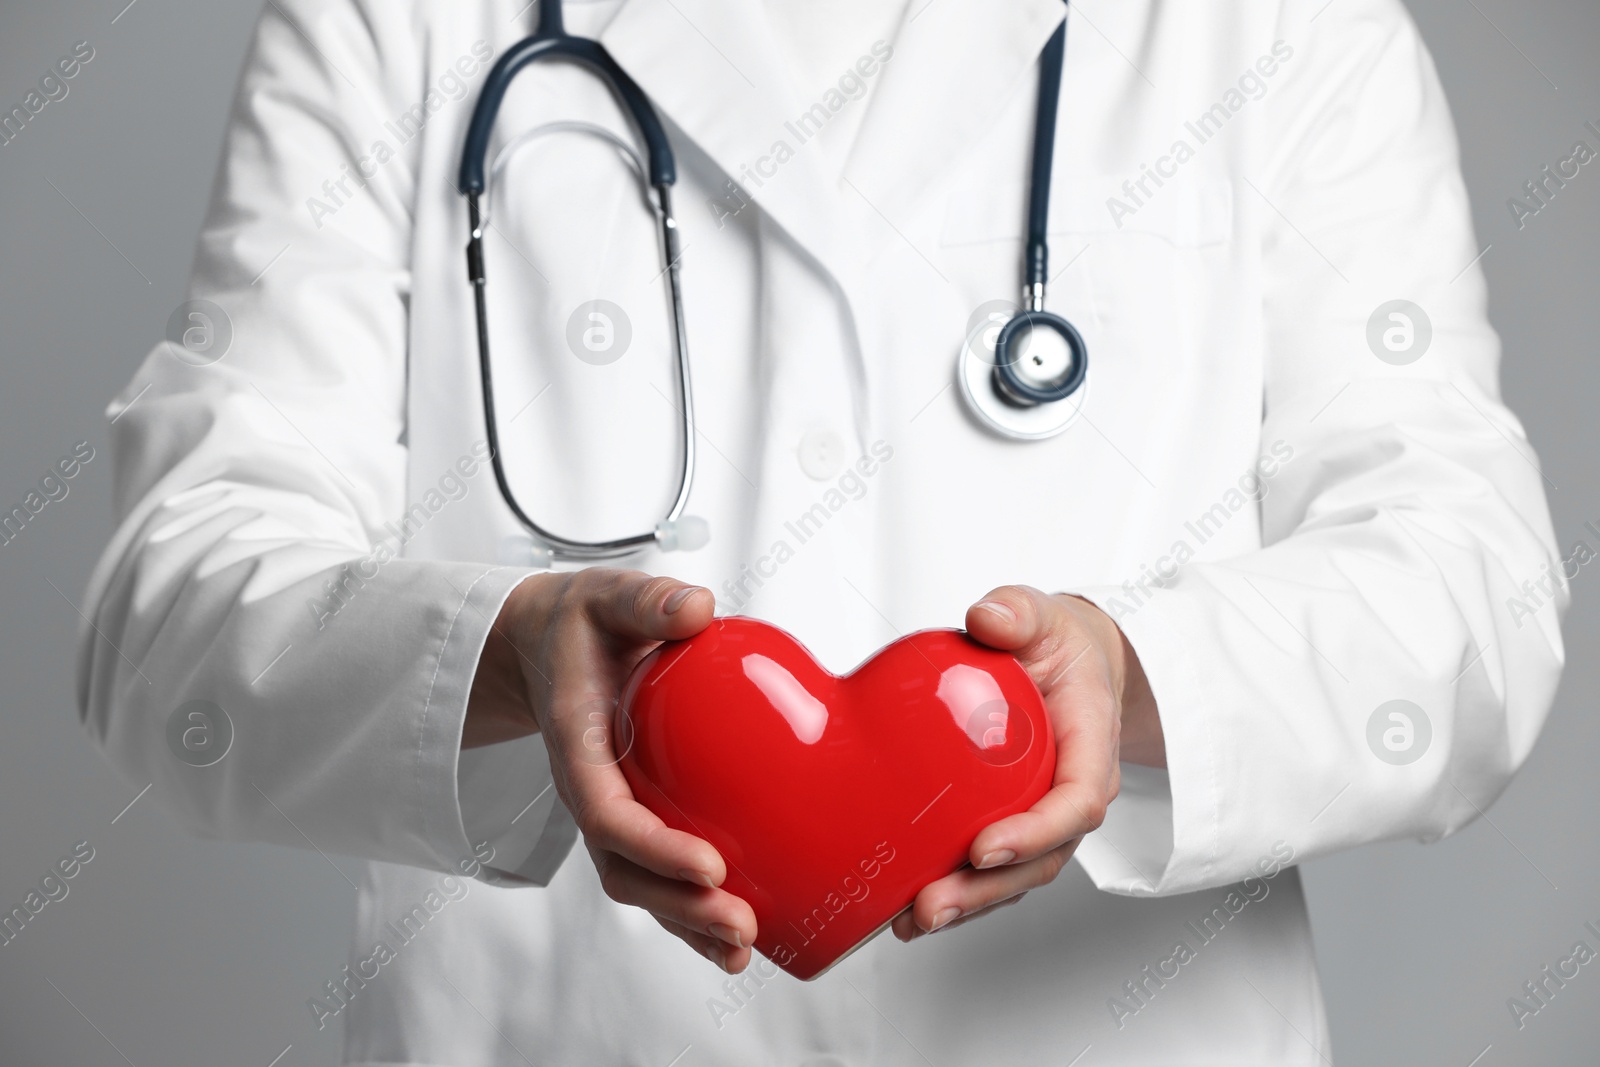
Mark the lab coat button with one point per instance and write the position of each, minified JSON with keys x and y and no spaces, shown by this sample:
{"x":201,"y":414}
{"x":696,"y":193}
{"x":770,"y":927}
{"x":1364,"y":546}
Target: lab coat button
{"x":821,"y":454}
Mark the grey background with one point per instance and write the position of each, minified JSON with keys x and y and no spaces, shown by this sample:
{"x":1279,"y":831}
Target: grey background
{"x":175,"y":951}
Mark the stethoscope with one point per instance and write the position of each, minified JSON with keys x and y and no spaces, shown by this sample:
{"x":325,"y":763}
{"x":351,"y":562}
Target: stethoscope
{"x":1023,"y":378}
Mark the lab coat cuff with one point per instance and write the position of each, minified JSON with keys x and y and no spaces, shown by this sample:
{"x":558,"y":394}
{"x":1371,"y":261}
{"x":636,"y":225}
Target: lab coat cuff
{"x":501,"y":821}
{"x":510,"y":812}
{"x":1162,"y":834}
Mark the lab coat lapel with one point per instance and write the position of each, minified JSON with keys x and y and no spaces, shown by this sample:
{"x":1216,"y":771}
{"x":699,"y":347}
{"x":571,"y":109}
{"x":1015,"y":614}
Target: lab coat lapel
{"x":955,"y":65}
{"x":714,"y":68}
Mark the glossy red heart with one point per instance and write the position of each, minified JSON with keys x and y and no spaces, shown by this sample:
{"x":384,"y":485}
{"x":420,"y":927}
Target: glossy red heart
{"x":833,"y":800}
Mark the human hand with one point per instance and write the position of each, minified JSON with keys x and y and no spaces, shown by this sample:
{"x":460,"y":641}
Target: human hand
{"x":555,"y":663}
{"x":1102,"y":711}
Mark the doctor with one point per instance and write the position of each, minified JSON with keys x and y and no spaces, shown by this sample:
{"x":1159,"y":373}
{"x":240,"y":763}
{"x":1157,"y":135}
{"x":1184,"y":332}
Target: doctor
{"x":1262,"y":577}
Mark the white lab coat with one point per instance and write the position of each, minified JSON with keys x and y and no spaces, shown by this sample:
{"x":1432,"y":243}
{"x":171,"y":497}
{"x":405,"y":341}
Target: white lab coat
{"x":1226,"y":311}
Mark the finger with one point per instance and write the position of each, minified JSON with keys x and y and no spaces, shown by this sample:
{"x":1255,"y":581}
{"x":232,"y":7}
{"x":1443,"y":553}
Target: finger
{"x":1086,"y":779}
{"x":612,"y":821}
{"x":1084,"y":711}
{"x":991,"y":909}
{"x":969,"y":891}
{"x":579,"y":732}
{"x":713,"y":912}
{"x":732,"y":960}
{"x":906,"y":928}
{"x":638,"y":608}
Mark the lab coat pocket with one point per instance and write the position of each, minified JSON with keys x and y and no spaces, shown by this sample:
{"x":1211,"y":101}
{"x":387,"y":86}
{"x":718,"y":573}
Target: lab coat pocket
{"x":1156,"y":281}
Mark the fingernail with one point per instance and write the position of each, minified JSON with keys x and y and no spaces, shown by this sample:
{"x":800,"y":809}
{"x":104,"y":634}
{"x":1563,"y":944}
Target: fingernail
{"x":715,"y":955}
{"x":1002,"y":610}
{"x":943,"y":918}
{"x":996,"y":858}
{"x":726,"y":933}
{"x":679,"y":598}
{"x":699,"y":878}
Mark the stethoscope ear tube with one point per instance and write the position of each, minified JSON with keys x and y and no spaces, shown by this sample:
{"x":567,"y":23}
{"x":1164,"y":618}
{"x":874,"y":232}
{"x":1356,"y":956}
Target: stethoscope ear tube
{"x":675,"y":530}
{"x":658,"y":151}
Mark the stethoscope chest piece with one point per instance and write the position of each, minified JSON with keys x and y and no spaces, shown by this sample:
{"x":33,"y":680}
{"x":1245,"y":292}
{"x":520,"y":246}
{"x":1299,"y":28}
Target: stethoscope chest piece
{"x":1032,"y":382}
{"x":1029,"y":382}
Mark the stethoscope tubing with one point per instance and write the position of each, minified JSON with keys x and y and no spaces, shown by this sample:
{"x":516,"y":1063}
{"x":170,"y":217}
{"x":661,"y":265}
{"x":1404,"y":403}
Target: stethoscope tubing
{"x":1036,"y":267}
{"x":551,"y":41}
{"x":1009,"y":383}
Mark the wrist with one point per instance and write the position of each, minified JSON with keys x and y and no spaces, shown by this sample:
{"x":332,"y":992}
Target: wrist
{"x":498,"y":705}
{"x":1142,"y":740}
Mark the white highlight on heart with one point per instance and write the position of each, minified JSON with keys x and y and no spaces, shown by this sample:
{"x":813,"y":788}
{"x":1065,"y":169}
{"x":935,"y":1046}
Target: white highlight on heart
{"x":806,"y":715}
{"x":965,"y":690}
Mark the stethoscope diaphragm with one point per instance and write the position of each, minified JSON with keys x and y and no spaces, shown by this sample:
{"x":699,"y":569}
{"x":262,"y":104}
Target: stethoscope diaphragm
{"x":1031,"y":381}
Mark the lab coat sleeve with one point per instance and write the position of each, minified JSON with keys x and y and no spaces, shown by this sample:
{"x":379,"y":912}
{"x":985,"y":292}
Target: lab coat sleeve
{"x":251,"y":570}
{"x":1408,"y":553}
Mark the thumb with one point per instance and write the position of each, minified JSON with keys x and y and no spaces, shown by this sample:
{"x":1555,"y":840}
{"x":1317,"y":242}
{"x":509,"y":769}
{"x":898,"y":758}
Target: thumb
{"x":1009,"y":618}
{"x":638,"y":607}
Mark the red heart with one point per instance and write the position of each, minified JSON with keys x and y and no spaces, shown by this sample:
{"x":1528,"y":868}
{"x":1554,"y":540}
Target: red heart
{"x":834,"y":800}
